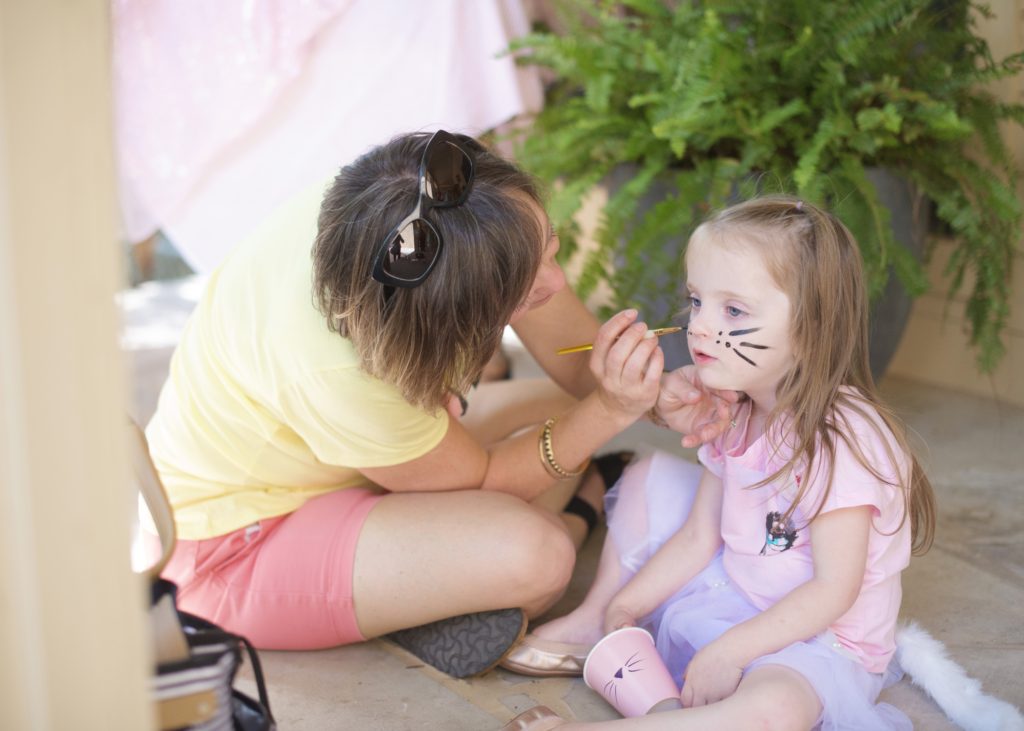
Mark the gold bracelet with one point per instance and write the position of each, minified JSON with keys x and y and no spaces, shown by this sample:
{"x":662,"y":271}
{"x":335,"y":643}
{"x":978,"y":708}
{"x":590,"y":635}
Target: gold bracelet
{"x":543,"y":457}
{"x":547,"y":451}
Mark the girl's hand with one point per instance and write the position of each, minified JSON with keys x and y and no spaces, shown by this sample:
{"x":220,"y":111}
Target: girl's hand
{"x":627,"y":365}
{"x":699,"y":414}
{"x":617,"y":617}
{"x":711,"y":676}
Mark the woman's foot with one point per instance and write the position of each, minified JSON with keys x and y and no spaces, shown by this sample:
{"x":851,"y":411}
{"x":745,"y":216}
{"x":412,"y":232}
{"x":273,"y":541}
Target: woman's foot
{"x":611,"y":466}
{"x":586,"y":508}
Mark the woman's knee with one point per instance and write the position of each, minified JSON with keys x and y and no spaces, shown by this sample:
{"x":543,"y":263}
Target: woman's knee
{"x":500,"y":544}
{"x":537,"y":554}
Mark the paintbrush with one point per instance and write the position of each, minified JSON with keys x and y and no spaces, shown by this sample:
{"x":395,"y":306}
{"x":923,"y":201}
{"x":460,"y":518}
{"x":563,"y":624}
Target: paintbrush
{"x":589,"y":346}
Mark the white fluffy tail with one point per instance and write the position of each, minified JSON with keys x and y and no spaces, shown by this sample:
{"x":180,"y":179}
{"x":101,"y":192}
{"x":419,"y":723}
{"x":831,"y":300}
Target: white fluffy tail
{"x":929,"y":666}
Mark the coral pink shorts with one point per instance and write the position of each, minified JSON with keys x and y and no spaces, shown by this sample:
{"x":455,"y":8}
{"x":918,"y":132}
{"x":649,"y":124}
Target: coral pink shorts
{"x":284,"y":583}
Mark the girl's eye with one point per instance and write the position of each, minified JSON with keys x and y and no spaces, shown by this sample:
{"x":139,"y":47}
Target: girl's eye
{"x":694,"y":302}
{"x":733,"y":311}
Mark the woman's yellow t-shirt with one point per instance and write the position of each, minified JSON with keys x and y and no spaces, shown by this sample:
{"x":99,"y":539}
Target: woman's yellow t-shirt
{"x":265,"y":407}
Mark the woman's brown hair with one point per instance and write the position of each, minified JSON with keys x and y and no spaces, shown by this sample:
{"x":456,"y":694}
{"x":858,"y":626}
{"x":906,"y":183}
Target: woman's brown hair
{"x":433,"y":340}
{"x":815,"y":260}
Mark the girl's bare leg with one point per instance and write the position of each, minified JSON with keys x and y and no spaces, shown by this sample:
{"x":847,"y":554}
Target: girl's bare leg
{"x":772,"y":698}
{"x":585,"y":624}
{"x":500,"y":409}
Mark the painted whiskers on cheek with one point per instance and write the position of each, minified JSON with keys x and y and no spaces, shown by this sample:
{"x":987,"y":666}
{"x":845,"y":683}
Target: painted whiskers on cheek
{"x":742,"y":343}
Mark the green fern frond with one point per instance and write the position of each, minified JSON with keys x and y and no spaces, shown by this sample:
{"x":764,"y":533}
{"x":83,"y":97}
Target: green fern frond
{"x":735,"y":97}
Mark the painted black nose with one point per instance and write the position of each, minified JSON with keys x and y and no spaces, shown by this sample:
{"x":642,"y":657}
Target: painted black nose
{"x":618,"y":673}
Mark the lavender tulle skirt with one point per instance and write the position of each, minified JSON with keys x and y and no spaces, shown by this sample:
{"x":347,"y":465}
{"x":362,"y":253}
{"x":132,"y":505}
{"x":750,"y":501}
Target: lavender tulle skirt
{"x":650,"y":502}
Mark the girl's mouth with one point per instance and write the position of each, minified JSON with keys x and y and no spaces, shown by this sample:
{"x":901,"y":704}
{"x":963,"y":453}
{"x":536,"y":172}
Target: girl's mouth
{"x":702,"y":358}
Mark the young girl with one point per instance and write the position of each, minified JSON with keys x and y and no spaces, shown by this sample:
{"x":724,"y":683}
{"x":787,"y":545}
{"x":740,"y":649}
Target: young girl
{"x":771,"y":577}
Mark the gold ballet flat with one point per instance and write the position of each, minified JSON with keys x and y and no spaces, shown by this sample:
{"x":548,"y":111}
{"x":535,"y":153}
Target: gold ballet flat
{"x":538,"y":718}
{"x":546,"y":658}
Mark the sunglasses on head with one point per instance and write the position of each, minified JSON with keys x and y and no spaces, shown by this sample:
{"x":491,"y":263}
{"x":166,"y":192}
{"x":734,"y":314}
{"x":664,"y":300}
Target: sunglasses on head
{"x":411,"y":249}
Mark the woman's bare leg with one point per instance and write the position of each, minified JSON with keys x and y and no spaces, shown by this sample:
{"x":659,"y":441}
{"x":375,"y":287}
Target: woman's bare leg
{"x":425,"y":556}
{"x":502,"y":408}
{"x":497,"y":368}
{"x":585,"y":624}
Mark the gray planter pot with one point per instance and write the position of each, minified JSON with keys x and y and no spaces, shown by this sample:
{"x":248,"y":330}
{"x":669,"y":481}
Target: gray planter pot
{"x":890,"y":312}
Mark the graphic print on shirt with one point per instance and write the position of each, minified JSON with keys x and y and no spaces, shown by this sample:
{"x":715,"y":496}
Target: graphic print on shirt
{"x":780,"y":535}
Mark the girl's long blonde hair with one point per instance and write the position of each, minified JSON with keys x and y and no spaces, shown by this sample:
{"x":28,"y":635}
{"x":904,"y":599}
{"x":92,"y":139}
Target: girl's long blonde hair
{"x":815,"y":260}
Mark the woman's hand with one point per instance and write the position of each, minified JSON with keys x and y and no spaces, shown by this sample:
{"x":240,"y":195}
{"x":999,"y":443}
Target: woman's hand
{"x":712,"y":675}
{"x":685,"y":406}
{"x":627,"y":364}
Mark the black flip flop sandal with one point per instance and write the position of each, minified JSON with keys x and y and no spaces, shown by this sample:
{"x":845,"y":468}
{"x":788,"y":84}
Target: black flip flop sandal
{"x":610,"y":467}
{"x":467,"y":645}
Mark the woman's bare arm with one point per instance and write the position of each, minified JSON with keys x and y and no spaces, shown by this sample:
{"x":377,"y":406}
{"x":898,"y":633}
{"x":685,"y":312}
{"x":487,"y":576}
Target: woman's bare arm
{"x":627,"y":368}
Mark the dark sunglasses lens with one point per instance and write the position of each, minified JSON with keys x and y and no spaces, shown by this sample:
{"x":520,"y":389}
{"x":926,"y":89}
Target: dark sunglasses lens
{"x":448,"y":172}
{"x":412,"y":251}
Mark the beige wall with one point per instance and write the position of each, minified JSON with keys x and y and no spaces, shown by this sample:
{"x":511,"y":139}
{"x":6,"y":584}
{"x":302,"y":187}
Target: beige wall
{"x":934,"y":348}
{"x":71,"y":612}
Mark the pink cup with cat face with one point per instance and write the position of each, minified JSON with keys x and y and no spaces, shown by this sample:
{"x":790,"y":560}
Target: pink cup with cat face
{"x":627,"y":671}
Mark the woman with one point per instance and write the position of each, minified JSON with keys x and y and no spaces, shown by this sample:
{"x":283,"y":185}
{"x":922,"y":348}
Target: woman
{"x":325,"y":489}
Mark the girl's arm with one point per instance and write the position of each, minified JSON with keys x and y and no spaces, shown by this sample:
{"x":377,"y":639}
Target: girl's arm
{"x":679,"y":559}
{"x":627,"y":368}
{"x":840,"y":541}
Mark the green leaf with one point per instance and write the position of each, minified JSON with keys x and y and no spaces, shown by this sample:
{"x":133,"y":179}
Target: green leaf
{"x":735,"y":97}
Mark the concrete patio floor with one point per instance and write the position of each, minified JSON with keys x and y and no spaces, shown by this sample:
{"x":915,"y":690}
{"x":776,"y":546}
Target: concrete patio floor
{"x":968,"y":591}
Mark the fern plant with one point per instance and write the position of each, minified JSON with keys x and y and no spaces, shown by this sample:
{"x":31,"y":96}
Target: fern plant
{"x":714,"y":100}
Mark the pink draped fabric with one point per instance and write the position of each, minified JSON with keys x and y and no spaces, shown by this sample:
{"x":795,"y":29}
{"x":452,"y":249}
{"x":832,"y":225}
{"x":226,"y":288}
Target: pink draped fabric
{"x":225,"y":109}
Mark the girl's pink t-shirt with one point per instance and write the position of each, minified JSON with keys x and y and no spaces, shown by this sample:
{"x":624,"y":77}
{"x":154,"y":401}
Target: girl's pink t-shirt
{"x":767,"y":559}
